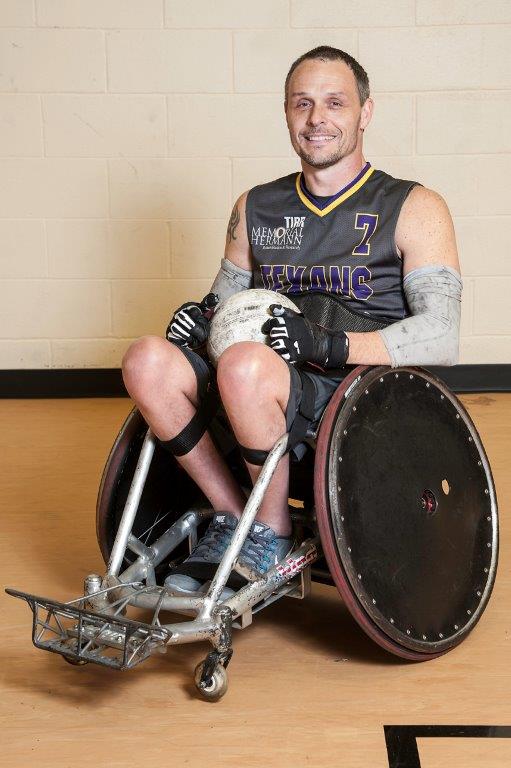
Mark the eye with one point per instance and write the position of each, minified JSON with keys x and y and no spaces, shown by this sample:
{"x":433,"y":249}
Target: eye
{"x":302,"y":103}
{"x":336,"y":104}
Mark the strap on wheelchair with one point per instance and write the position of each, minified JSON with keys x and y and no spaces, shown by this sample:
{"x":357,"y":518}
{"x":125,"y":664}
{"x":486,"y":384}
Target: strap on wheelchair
{"x":304,"y":417}
{"x":253,"y":455}
{"x":192,"y":433}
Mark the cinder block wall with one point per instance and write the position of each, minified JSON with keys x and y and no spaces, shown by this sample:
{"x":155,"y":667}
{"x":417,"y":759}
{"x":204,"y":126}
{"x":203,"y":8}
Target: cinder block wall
{"x":128,"y":128}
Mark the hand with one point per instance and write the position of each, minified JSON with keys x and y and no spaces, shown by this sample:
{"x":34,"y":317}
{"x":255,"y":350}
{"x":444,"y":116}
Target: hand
{"x":189,"y":326}
{"x":298,"y":340}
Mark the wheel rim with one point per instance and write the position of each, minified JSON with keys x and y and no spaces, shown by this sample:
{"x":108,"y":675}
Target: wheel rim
{"x":348,"y":557}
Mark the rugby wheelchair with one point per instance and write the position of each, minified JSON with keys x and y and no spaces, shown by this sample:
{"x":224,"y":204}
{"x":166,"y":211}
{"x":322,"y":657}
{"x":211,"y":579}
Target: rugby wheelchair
{"x":393,"y":503}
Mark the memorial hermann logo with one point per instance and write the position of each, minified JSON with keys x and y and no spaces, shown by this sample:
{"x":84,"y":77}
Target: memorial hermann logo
{"x":285,"y":238}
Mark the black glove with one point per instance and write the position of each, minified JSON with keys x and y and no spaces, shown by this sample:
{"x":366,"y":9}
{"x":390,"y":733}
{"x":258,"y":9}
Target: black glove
{"x":189,"y":326}
{"x":298,"y":340}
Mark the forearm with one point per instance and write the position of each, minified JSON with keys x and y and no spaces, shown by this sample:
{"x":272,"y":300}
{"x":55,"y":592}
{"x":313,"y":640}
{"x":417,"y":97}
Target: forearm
{"x":430,"y":336}
{"x":230,"y":280}
{"x":367,"y":349}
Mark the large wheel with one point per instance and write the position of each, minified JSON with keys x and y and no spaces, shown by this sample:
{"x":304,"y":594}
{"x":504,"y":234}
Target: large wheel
{"x":406,"y":510}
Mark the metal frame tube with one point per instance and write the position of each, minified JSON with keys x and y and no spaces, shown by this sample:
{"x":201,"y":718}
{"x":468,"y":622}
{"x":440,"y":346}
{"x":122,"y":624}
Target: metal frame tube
{"x":240,"y":534}
{"x":131,"y":506}
{"x":180,"y":530}
{"x":276,"y":577}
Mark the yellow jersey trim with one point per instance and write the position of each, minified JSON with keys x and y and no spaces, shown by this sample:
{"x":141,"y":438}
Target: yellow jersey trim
{"x":305,"y":200}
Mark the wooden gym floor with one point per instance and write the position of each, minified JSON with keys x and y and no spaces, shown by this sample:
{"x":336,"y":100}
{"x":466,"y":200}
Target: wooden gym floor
{"x":306,"y":687}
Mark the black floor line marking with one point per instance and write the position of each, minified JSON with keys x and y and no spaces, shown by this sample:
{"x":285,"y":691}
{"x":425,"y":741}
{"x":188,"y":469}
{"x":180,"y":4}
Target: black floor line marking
{"x":401,"y":740}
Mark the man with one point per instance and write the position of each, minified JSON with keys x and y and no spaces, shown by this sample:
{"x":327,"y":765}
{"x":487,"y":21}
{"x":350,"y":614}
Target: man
{"x":340,"y":226}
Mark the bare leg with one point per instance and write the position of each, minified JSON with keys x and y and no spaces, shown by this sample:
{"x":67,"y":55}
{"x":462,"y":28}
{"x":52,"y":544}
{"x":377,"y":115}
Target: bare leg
{"x":163,"y":385}
{"x":254,"y":384}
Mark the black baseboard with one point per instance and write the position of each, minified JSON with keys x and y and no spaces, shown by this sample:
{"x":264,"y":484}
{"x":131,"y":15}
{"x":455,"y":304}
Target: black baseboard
{"x":62,"y":382}
{"x":107,"y":382}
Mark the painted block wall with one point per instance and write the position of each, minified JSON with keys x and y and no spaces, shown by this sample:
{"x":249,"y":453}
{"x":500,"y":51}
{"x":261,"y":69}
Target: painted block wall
{"x":128,"y":129}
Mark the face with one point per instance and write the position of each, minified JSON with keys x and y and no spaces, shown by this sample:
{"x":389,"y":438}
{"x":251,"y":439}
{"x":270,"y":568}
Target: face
{"x":323,"y":112}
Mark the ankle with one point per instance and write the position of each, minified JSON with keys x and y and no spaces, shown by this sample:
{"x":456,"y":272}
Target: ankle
{"x":281,"y":529}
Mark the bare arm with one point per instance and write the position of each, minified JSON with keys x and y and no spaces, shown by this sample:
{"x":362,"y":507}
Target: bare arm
{"x":425,"y":232}
{"x":237,"y":246}
{"x":424,"y":237}
{"x":235,"y":273}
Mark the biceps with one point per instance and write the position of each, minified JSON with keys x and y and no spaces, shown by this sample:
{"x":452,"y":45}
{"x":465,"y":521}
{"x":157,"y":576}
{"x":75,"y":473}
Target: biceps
{"x":237,"y":246}
{"x":428,"y":235}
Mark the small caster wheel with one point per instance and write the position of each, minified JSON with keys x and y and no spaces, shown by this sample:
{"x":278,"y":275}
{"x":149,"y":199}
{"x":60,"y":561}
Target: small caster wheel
{"x":217,"y":685}
{"x":75,"y":662}
{"x":71,"y":659}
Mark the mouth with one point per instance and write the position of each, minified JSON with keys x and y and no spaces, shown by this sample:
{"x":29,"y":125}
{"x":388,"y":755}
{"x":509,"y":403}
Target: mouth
{"x":318,"y":139}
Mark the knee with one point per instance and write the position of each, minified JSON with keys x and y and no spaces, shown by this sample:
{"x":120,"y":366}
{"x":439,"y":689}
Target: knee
{"x":243,"y":368}
{"x":143,"y":361}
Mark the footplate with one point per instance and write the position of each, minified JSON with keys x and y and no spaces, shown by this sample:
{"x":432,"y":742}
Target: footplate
{"x":82,"y":636}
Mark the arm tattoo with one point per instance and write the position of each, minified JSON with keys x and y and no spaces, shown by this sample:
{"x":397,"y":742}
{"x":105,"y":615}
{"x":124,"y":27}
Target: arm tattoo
{"x":233,"y":223}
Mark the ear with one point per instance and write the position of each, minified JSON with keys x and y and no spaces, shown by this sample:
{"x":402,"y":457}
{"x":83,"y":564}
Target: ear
{"x":285,"y":112}
{"x":366,"y":113}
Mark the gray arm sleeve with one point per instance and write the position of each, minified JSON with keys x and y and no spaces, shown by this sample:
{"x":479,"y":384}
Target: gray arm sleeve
{"x":231,"y":279}
{"x":431,"y":335}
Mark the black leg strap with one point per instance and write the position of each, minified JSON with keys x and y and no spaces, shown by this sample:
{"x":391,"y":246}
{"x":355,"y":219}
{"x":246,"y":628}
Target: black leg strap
{"x":305,"y":414}
{"x":192,"y":433}
{"x":298,"y":431}
{"x":253,"y":456}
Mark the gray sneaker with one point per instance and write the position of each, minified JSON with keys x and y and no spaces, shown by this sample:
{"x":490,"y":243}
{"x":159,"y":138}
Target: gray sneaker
{"x":189,"y":576}
{"x":263,"y":549}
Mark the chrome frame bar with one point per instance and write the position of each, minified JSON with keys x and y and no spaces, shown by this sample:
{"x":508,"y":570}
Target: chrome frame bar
{"x":132,"y":502}
{"x":211,"y":615}
{"x":240,"y":534}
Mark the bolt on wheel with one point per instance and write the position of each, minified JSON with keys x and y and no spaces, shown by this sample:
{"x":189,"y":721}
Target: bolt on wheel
{"x":214,"y":688}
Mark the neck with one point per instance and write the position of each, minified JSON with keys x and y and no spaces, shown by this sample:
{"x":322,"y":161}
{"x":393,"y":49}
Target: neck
{"x":328,"y":181}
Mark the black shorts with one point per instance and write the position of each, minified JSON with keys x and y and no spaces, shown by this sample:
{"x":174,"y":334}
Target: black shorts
{"x":324,"y":387}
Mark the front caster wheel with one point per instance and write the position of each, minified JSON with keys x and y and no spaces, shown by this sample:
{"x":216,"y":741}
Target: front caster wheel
{"x":75,"y":662}
{"x":71,"y":643}
{"x":214,"y":688}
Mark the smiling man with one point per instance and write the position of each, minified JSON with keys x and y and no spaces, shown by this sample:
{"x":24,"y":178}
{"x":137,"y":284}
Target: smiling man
{"x":384,"y":247}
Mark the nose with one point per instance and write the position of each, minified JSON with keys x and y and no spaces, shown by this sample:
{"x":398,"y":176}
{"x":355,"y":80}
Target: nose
{"x":315,"y":116}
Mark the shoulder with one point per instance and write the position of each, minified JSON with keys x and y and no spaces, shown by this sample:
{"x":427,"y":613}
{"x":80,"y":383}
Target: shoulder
{"x":282,"y":184}
{"x":241,"y":202}
{"x":425,"y":231}
{"x":424,"y":214}
{"x":422,"y":203}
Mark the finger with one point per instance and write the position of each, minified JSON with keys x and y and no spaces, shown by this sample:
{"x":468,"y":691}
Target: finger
{"x":183,"y":319}
{"x":273,"y":322}
{"x":177,"y":340}
{"x":279,"y":331}
{"x":179,"y":330}
{"x":199,"y":333}
{"x":193,"y":311}
{"x":279,"y":346}
{"x":209,"y":301}
{"x":268,"y":325}
{"x":278,"y":310}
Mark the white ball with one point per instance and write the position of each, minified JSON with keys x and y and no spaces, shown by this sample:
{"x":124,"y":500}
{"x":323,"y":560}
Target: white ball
{"x":240,"y":317}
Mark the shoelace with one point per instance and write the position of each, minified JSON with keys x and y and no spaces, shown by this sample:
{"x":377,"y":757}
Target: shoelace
{"x":215,"y":542}
{"x":259,"y":555}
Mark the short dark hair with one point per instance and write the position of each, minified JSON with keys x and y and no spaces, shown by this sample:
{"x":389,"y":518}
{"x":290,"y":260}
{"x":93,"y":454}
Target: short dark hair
{"x":327,"y":53}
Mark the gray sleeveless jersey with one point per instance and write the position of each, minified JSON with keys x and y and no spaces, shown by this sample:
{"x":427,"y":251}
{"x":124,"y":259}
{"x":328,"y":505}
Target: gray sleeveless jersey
{"x":346,"y":248}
